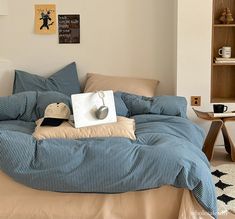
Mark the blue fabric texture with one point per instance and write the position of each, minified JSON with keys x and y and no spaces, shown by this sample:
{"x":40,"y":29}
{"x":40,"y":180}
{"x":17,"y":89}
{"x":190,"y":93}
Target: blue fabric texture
{"x":29,"y":106}
{"x":160,"y":105}
{"x":19,"y":106}
{"x":46,"y":98}
{"x":167,"y":152}
{"x":120,"y":106}
{"x":64,"y":81}
{"x":18,"y":125}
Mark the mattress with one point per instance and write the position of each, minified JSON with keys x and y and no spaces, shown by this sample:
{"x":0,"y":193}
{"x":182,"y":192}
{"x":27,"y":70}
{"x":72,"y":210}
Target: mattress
{"x":21,"y":202}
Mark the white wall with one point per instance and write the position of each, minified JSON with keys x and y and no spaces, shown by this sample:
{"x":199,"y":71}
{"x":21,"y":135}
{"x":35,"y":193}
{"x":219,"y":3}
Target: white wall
{"x":124,"y":37}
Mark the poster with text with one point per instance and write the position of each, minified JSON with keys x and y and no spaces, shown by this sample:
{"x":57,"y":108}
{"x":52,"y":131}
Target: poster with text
{"x":69,"y":28}
{"x":45,"y":19}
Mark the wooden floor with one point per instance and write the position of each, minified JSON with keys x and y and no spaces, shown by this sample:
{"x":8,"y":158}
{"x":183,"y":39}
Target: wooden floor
{"x":221,"y":157}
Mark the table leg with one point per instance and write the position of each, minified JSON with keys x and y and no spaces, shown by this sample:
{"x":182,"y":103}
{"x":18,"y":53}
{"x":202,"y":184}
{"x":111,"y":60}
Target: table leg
{"x":226,"y":139}
{"x":211,"y":137}
{"x":229,"y":145}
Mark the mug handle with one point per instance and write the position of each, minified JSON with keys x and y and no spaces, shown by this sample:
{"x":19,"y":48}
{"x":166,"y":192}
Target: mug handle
{"x":220,"y":51}
{"x":225,"y":108}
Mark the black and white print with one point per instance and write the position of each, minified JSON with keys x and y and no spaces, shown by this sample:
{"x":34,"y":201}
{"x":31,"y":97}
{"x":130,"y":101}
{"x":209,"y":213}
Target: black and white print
{"x":224,"y":179}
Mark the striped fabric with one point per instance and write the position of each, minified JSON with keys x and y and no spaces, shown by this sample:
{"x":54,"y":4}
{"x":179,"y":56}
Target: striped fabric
{"x":167,"y":152}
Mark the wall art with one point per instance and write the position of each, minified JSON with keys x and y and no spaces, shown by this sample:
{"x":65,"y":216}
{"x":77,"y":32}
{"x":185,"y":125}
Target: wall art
{"x":45,"y":19}
{"x":69,"y":28}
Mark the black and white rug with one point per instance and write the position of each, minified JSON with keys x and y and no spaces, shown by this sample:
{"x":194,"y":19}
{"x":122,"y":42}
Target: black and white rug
{"x":224,"y":178}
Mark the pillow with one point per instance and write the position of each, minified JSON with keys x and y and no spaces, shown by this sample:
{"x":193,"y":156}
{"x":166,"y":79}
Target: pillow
{"x":160,"y":105}
{"x":124,"y":127}
{"x":64,"y":81}
{"x":46,"y":98}
{"x":121,"y":109}
{"x":19,"y":107}
{"x":144,"y":87}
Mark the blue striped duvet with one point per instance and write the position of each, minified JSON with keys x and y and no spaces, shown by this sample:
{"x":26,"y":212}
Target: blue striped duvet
{"x":167,"y":152}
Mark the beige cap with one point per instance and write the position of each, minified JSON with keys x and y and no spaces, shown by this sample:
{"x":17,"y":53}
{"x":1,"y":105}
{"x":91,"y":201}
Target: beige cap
{"x":55,"y":114}
{"x":57,"y":111}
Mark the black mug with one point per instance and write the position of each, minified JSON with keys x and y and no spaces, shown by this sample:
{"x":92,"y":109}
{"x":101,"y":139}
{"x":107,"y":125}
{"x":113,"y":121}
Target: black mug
{"x":219,"y":108}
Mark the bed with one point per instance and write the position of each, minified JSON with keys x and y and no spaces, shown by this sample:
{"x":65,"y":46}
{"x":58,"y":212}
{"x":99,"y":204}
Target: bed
{"x":135,"y":181}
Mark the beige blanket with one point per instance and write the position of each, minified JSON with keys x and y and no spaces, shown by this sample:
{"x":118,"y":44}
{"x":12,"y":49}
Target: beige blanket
{"x":20,"y":202}
{"x":124,"y":127}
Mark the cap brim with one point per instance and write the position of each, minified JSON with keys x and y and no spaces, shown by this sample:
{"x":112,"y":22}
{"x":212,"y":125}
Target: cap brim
{"x":52,"y":122}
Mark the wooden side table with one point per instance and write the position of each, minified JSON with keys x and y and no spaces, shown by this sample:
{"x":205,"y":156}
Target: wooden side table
{"x":217,"y":124}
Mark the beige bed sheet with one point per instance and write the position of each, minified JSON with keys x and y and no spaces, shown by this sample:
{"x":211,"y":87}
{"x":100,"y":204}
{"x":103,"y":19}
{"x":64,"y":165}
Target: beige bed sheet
{"x":20,"y":202}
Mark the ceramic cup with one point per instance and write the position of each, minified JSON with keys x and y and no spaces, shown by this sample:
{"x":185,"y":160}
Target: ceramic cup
{"x":225,"y":52}
{"x":219,"y":108}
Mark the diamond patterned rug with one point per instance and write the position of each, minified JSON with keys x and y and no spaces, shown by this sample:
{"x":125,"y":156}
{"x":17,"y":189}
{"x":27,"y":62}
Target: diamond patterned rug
{"x":224,"y":179}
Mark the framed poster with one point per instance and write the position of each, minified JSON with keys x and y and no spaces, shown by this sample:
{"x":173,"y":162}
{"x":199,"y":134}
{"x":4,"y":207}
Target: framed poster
{"x":69,"y":28}
{"x":45,"y":19}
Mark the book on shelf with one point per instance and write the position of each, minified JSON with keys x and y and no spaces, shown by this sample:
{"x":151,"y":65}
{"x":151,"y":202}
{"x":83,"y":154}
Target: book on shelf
{"x":225,"y":114}
{"x":224,"y":59}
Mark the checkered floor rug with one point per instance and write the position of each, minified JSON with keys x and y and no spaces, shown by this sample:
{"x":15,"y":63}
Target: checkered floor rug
{"x":224,"y":179}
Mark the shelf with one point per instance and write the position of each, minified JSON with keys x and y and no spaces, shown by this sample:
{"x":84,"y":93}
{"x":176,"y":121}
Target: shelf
{"x":223,"y":100}
{"x":223,"y":25}
{"x":222,"y":64}
{"x":222,"y":74}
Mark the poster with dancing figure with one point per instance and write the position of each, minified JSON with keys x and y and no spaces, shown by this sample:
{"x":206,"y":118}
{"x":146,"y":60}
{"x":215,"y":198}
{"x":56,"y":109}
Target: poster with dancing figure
{"x":45,"y":19}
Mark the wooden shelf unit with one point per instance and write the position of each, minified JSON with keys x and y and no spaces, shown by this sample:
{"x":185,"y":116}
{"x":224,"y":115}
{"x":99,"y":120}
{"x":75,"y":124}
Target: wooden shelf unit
{"x":222,"y":74}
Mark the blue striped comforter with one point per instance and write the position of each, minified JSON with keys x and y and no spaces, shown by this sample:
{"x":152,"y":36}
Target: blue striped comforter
{"x":167,"y":152}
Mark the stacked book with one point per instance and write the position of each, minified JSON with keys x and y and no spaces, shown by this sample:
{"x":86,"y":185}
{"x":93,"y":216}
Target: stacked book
{"x":224,"y":60}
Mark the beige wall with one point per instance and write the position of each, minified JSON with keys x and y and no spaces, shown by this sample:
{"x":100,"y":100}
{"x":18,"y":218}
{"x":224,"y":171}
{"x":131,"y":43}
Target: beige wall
{"x":194,"y":34}
{"x":193,"y":53}
{"x":194,"y":50}
{"x":124,"y":37}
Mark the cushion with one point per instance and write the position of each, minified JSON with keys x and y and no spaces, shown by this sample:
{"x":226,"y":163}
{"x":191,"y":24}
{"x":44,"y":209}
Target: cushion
{"x":124,"y":127}
{"x":144,"y":87}
{"x":64,"y":81}
{"x":160,"y":105}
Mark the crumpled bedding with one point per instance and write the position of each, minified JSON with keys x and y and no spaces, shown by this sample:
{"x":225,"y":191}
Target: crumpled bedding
{"x":167,"y":151}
